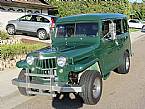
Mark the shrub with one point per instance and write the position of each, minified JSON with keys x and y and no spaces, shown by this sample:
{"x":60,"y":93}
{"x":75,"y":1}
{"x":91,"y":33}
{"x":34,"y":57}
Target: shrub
{"x":3,"y":35}
{"x":9,"y":51}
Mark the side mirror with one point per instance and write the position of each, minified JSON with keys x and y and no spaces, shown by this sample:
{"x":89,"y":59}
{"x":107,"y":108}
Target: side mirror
{"x":112,"y":30}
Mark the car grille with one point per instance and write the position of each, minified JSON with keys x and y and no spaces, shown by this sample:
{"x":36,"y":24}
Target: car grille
{"x":45,"y":63}
{"x":45,"y":66}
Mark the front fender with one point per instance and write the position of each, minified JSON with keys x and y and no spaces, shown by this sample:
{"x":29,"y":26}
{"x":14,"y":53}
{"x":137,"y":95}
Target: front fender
{"x":82,"y":67}
{"x":22,"y":64}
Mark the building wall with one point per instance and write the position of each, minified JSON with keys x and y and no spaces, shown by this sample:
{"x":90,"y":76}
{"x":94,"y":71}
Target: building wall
{"x":12,"y":13}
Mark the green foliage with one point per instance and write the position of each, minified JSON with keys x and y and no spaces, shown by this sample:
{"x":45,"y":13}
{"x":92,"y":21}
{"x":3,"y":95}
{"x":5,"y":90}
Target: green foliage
{"x":78,"y":7}
{"x":133,"y":30}
{"x":9,"y":51}
{"x":3,"y":35}
{"x":138,"y":10}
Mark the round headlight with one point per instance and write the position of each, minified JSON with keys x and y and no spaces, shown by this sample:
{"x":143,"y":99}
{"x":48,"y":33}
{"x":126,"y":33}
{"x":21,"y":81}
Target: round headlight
{"x":30,"y":60}
{"x":61,"y":61}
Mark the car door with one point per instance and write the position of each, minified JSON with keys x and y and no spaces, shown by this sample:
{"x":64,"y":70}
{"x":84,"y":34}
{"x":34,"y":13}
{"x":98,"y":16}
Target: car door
{"x":109,"y":56}
{"x":122,"y":38}
{"x":119,"y":42}
{"x":35,"y":24}
{"x":24,"y":23}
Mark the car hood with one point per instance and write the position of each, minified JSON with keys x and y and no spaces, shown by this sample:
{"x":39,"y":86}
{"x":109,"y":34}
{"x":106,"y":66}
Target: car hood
{"x":75,"y":53}
{"x":12,"y":21}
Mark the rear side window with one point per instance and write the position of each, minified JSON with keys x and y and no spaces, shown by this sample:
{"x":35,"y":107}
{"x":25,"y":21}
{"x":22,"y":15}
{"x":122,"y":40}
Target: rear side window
{"x":42,"y":19}
{"x":118,"y":26}
{"x":125,"y":25}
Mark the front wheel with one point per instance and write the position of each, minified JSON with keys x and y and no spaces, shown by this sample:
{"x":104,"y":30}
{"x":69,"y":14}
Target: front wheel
{"x":22,"y":77}
{"x":91,"y":82}
{"x":11,"y":29}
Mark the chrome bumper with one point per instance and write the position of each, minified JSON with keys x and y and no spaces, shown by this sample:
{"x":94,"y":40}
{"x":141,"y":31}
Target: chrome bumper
{"x":46,"y":87}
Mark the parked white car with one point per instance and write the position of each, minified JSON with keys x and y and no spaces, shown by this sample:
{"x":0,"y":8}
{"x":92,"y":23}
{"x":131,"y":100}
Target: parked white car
{"x":37,"y":24}
{"x":135,"y":23}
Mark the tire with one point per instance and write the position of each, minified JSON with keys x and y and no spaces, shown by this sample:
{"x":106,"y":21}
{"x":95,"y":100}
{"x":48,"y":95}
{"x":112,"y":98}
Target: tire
{"x":42,"y":34}
{"x":90,"y":80}
{"x":124,"y":68}
{"x":22,"y":77}
{"x":11,"y":29}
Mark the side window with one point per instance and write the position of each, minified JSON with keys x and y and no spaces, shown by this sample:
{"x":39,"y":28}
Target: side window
{"x":105,"y":27}
{"x":134,"y":21}
{"x":125,"y":25}
{"x":25,"y":18}
{"x":118,"y":26}
{"x":42,"y":19}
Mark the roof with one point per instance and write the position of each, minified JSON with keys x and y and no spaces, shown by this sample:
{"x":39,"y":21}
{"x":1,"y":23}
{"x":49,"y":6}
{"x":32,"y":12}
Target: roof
{"x":44,"y":15}
{"x":90,"y":17}
{"x":34,"y":5}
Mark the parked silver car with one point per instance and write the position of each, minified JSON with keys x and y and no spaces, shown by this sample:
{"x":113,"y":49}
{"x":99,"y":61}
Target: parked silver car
{"x":38,"y":24}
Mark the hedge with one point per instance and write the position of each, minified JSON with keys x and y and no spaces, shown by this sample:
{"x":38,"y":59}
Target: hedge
{"x":9,"y":51}
{"x":3,"y":35}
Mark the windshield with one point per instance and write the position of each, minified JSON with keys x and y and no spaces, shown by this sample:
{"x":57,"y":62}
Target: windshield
{"x":77,"y":30}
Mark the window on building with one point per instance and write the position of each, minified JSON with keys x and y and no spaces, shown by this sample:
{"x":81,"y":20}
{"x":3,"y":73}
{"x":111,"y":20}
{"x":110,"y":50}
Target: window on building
{"x":11,"y":9}
{"x":3,"y":9}
{"x":36,"y":12}
{"x":20,"y":10}
{"x":29,"y":11}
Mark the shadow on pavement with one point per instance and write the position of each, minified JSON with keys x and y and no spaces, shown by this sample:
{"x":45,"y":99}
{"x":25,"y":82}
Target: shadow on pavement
{"x":66,"y":102}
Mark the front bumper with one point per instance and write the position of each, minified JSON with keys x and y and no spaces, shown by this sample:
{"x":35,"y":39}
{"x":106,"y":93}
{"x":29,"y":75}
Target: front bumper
{"x":46,"y":89}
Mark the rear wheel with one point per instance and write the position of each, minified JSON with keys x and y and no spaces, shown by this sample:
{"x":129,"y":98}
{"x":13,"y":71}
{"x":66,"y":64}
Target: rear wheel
{"x":91,"y":82}
{"x":22,"y":77}
{"x":42,"y":34}
{"x":11,"y":29}
{"x":124,"y":68}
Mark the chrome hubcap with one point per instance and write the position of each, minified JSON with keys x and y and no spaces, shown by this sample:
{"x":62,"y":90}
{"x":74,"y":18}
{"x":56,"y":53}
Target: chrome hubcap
{"x":41,"y":34}
{"x":127,"y":63}
{"x":11,"y":30}
{"x":96,"y":88}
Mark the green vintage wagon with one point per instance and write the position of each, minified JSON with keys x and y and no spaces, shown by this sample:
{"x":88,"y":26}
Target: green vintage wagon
{"x":85,"y":49}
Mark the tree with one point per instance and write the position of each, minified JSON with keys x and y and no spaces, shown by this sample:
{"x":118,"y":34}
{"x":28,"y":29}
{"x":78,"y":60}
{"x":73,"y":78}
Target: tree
{"x":91,"y":6}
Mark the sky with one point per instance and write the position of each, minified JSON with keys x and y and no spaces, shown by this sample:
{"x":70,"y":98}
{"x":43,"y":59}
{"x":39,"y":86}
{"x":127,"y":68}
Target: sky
{"x":135,"y":0}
